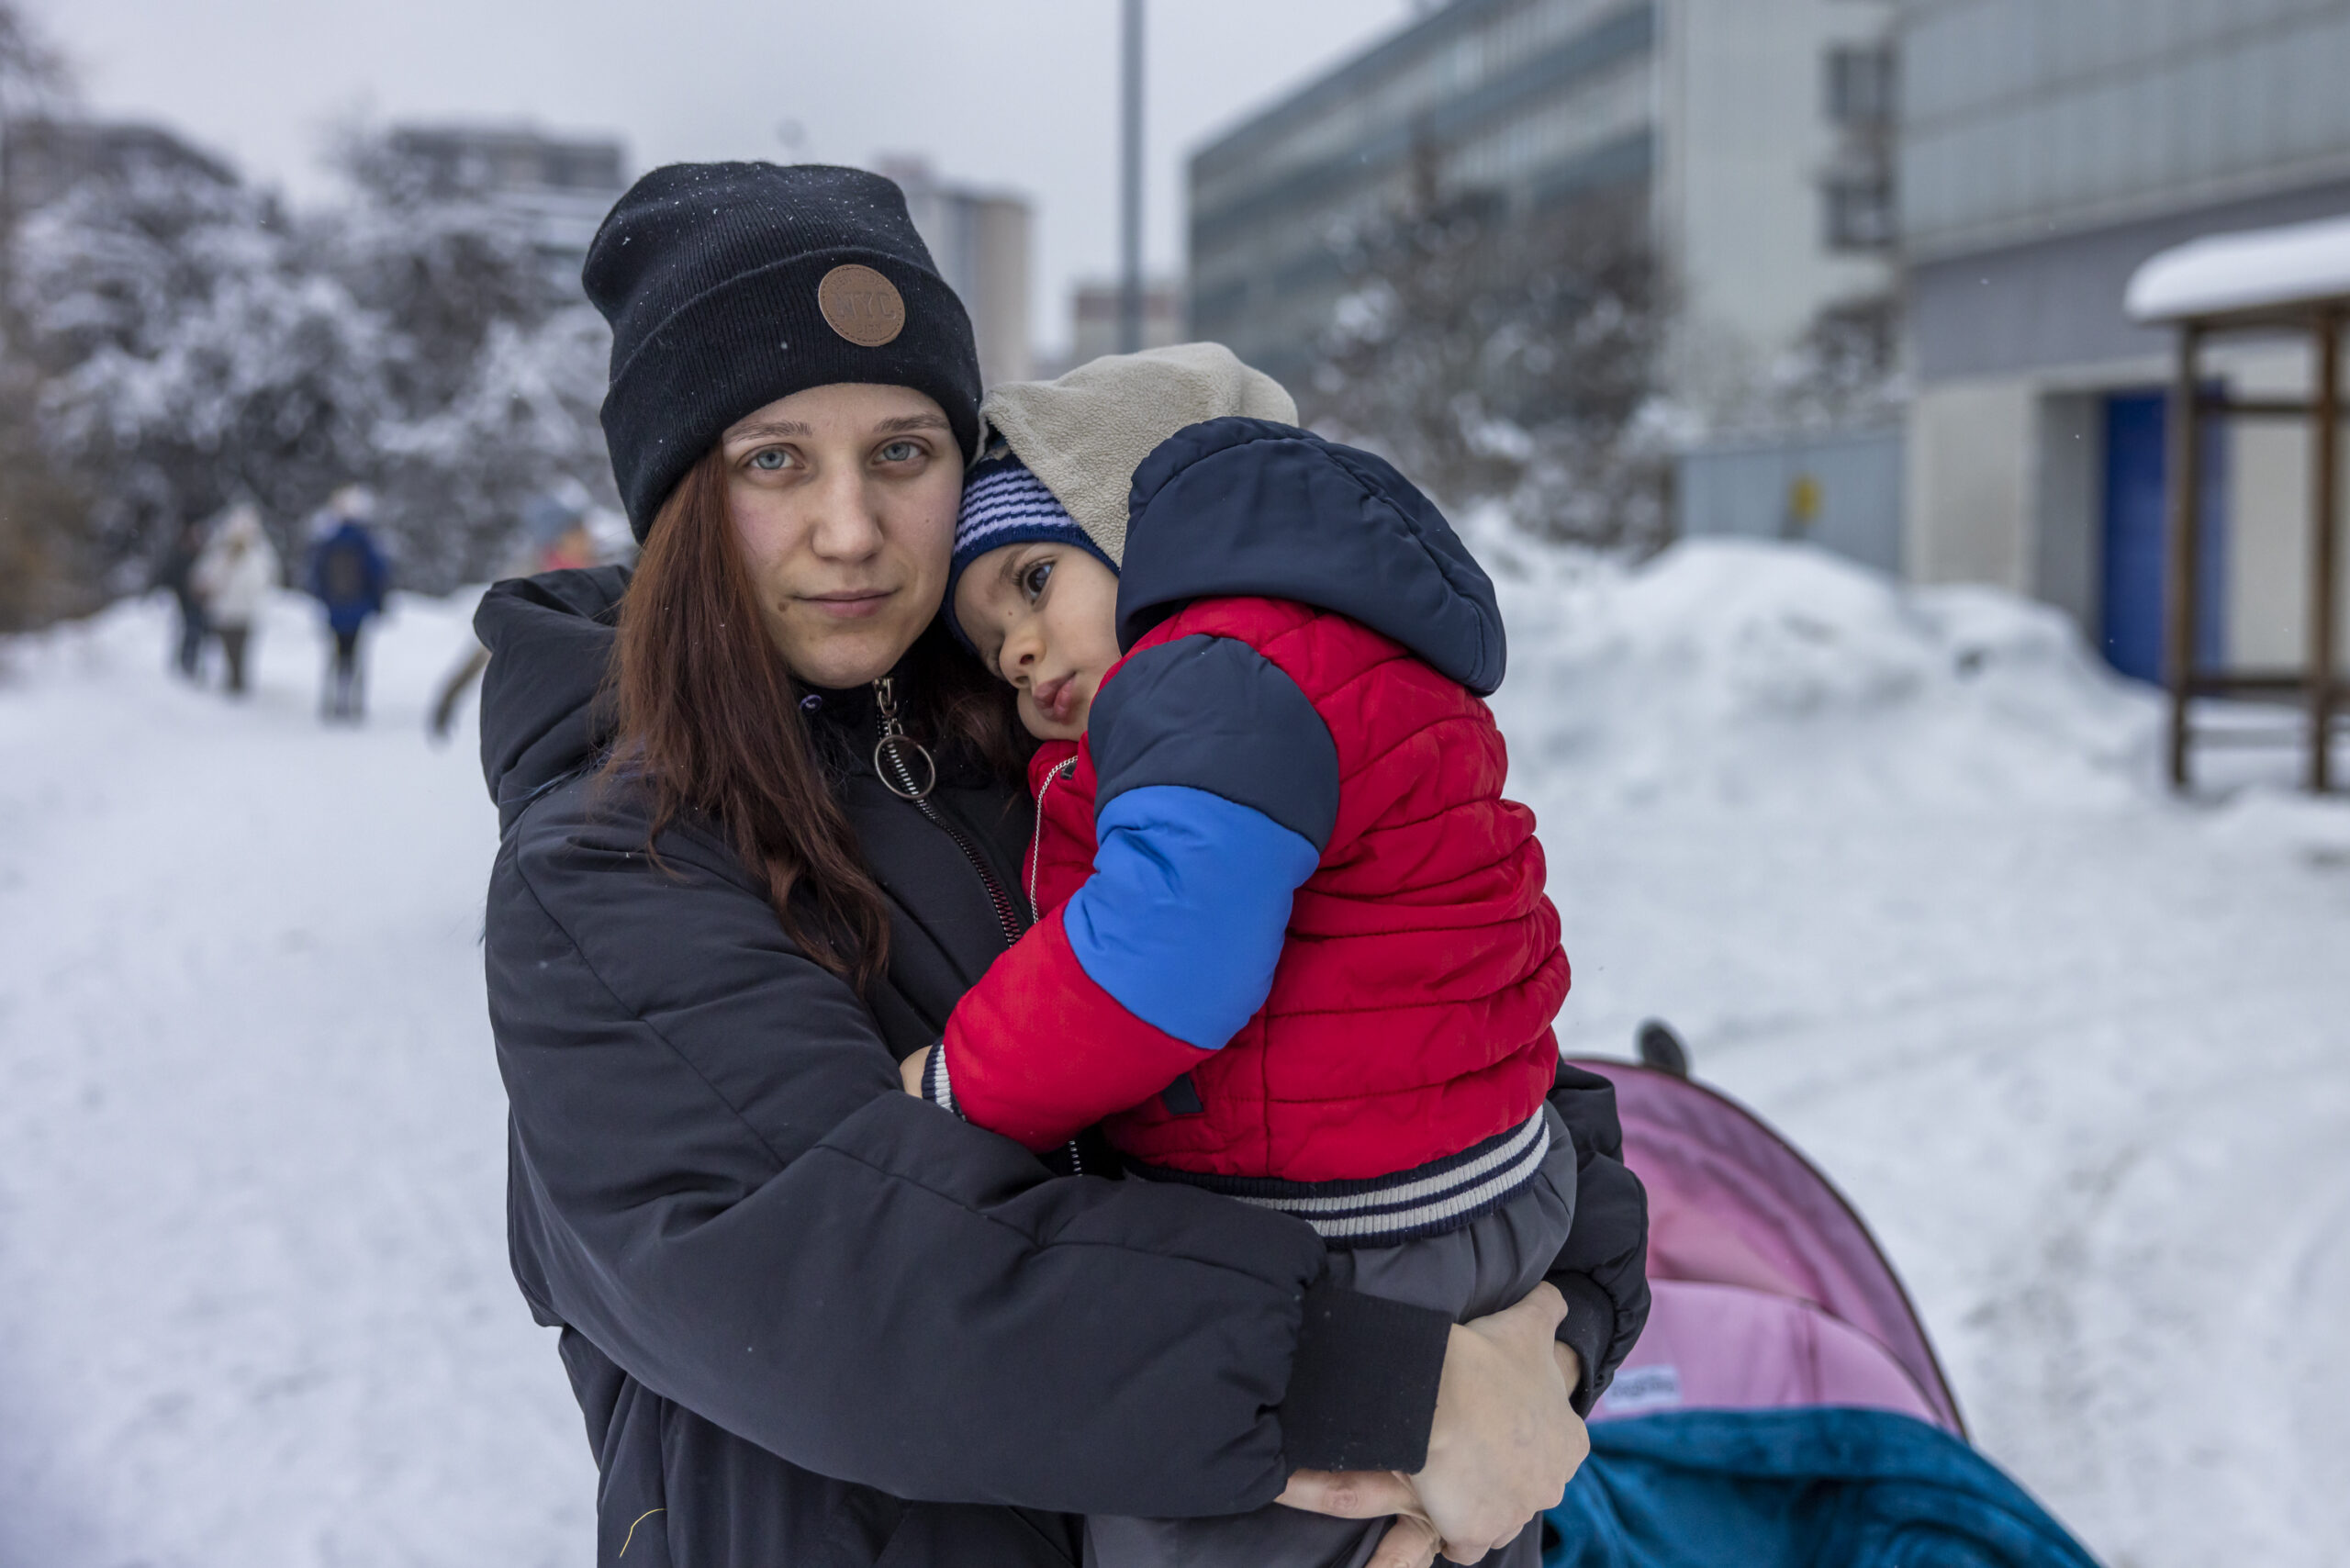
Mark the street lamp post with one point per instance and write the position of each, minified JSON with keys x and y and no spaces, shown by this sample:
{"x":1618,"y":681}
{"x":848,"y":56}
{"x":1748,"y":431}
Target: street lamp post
{"x":1130,"y":180}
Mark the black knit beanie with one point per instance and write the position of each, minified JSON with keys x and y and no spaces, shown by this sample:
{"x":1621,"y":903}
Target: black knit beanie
{"x":728,"y":285}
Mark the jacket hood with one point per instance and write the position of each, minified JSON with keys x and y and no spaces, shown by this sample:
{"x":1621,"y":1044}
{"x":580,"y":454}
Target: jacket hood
{"x":1235,"y":507}
{"x":1084,"y":434}
{"x":544,"y":713}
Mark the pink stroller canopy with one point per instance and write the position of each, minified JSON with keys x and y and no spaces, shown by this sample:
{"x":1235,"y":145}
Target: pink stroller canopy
{"x":1768,"y":1290}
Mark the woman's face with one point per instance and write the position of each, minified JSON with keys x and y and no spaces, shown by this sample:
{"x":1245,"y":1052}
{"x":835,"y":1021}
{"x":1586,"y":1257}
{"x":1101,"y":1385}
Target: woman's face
{"x":844,"y":497}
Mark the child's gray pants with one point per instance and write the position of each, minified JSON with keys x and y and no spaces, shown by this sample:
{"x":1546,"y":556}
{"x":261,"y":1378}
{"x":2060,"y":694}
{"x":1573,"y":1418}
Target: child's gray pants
{"x":1480,"y":1269}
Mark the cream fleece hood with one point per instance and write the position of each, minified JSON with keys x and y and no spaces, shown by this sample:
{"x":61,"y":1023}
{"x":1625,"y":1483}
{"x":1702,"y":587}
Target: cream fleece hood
{"x":1085,"y":434}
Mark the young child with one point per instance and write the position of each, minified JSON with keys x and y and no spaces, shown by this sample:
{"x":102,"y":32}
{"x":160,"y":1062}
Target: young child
{"x":1291,"y":944}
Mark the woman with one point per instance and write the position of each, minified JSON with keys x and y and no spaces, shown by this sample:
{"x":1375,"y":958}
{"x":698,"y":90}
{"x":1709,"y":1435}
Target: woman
{"x":232,"y":579}
{"x":811,"y":1319}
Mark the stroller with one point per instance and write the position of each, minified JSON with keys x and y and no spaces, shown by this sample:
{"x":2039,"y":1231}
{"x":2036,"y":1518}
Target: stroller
{"x":1782,"y":1406}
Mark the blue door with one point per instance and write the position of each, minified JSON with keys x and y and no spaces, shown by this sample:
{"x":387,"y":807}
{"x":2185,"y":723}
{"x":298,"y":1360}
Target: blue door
{"x":2130,"y":630}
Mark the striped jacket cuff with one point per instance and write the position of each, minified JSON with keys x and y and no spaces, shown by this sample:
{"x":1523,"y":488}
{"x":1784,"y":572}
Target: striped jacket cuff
{"x":937,"y":1086}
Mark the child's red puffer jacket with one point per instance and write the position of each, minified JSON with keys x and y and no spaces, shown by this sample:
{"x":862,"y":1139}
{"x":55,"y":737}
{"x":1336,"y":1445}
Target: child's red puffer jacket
{"x":1295,"y":944}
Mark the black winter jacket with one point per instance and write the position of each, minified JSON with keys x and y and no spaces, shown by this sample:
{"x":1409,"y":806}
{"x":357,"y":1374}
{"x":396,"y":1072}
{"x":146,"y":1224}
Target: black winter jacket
{"x":809,"y":1318}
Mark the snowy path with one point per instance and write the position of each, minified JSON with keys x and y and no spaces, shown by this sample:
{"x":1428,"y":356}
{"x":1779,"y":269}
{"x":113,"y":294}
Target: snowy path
{"x":253,"y":1298}
{"x":2078,"y":1053}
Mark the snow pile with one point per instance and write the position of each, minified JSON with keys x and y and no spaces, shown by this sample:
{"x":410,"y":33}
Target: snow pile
{"x":1740,"y":673}
{"x":2274,"y":823}
{"x":1898,"y":863}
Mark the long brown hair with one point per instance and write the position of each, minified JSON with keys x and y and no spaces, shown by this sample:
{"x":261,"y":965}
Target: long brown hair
{"x":709,"y":722}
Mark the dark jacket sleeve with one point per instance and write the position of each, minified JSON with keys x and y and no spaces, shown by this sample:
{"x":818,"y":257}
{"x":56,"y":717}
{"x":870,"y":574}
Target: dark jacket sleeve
{"x":1603,"y":1269}
{"x":718,"y":1182}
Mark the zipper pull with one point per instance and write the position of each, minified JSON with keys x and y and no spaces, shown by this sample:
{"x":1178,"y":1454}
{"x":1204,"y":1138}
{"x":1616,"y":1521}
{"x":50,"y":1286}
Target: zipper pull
{"x":890,"y":763}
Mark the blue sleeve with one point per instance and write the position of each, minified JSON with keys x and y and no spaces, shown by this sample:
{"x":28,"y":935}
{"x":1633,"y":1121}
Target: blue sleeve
{"x":1183,"y":917}
{"x":1218,"y":791}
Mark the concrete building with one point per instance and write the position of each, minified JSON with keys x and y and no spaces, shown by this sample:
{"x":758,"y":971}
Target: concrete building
{"x":42,"y":158}
{"x":562,"y":185}
{"x":979,"y":241}
{"x":1837,"y":490}
{"x":1753,"y":135}
{"x":1093,"y":317}
{"x":2046,"y":152}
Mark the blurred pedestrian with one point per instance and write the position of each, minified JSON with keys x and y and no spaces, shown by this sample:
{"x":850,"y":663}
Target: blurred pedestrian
{"x":350,"y":576}
{"x":232,"y":577}
{"x":557,"y":535}
{"x":177,"y":572}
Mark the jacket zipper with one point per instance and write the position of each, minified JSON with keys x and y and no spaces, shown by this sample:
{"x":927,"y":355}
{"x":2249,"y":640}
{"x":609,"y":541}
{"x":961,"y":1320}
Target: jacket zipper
{"x":1035,"y":850}
{"x":1036,"y":839}
{"x":1005,"y":914}
{"x":885,"y":701}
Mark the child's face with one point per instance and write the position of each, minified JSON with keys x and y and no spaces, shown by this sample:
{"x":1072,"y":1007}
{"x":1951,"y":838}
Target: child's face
{"x":1044,"y":616}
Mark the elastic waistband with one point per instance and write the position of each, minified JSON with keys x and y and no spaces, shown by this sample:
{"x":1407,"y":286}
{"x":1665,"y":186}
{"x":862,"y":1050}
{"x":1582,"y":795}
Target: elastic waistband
{"x":1428,"y":1200}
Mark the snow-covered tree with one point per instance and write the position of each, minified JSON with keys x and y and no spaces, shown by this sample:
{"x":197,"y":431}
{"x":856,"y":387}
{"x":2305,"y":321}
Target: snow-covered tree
{"x":45,"y":569}
{"x":1495,"y":356}
{"x":201,"y":344}
{"x":1843,"y":372}
{"x":455,"y":476}
{"x":494,"y":378}
{"x":196,"y":354}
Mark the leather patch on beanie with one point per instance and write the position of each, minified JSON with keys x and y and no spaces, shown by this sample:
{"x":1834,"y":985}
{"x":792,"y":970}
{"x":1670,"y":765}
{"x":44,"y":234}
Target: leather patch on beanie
{"x":861,"y":304}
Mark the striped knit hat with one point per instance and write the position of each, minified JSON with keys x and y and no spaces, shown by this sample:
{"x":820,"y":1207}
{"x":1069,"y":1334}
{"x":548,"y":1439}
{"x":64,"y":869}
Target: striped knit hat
{"x":1004,"y":503}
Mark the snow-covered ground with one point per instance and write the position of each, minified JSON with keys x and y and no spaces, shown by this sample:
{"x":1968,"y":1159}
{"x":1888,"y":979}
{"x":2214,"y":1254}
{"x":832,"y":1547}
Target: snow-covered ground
{"x":1894,"y":862}
{"x":1897,"y":864}
{"x":254,"y":1305}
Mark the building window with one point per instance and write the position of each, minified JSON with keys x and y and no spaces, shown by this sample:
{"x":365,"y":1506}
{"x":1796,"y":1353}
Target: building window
{"x":1859,"y":211}
{"x":1860,"y":86}
{"x":1856,"y":193}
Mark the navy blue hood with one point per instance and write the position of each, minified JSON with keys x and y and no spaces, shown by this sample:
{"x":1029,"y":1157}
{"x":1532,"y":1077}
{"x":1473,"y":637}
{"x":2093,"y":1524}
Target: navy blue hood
{"x":1248,"y":508}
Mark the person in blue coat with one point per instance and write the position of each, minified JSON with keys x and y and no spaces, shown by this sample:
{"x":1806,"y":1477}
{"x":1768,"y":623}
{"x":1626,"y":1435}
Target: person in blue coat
{"x":350,"y":577}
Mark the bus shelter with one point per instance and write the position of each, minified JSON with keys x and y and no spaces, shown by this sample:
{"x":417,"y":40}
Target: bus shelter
{"x":2292,"y":281}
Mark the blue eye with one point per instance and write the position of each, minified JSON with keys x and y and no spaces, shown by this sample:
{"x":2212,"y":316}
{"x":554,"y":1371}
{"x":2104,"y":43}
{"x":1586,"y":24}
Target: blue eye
{"x":902,"y":451}
{"x":770,"y":458}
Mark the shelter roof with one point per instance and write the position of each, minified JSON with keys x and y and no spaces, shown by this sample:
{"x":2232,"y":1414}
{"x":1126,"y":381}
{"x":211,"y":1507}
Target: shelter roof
{"x":2256,"y":273}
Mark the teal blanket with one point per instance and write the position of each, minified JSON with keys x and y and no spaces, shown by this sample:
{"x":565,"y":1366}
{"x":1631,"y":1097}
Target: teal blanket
{"x":1803,"y":1488}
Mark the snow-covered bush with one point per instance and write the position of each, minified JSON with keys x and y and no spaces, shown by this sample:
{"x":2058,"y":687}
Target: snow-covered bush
{"x":196,"y":354}
{"x":45,"y":569}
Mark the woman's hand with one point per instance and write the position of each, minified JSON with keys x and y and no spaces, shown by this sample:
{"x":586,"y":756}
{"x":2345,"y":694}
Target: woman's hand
{"x":1506,"y":1440}
{"x":1504,"y":1443}
{"x":910,"y":1070}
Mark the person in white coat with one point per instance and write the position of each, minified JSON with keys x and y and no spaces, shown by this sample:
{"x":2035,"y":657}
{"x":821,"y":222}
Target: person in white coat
{"x":234,"y":575}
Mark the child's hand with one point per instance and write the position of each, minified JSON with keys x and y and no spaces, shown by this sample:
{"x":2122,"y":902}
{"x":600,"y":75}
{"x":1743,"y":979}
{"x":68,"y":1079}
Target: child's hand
{"x":910,"y":1070}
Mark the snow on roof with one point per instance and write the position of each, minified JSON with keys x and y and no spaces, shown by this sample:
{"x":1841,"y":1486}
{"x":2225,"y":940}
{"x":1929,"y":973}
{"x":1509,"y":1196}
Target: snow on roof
{"x":2220,"y":274}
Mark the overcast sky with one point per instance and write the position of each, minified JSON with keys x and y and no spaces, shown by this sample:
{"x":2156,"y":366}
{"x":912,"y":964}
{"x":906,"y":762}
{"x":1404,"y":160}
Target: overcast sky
{"x":1014,"y":92}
